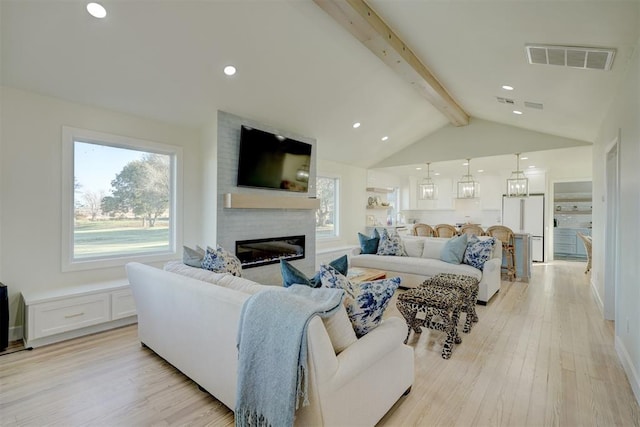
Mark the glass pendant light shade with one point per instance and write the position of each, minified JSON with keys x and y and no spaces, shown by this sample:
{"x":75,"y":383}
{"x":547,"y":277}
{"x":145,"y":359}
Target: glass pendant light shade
{"x":468,"y":188}
{"x":302,"y":174}
{"x":518,"y":183}
{"x":428,"y":190}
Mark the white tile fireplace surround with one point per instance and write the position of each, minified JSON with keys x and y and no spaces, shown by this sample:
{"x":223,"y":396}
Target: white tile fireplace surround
{"x":251,"y":224}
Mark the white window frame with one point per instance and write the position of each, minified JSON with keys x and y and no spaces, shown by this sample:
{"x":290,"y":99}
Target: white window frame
{"x":69,"y":136}
{"x":336,"y":225}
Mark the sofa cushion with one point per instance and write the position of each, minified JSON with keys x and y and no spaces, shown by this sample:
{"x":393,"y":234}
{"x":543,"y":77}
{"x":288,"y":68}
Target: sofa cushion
{"x":293,"y":276}
{"x":413,"y":246}
{"x":478,"y":251}
{"x":220,"y":260}
{"x":433,"y":246}
{"x":427,"y":267}
{"x":242,"y":285}
{"x":453,"y":251}
{"x":179,"y":267}
{"x":369,"y":245}
{"x":193,"y":257}
{"x":365,"y":302}
{"x":390,"y":244}
{"x":339,"y":329}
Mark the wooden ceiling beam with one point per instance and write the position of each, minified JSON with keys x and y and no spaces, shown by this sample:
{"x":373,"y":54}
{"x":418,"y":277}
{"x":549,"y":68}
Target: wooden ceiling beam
{"x":366,"y":26}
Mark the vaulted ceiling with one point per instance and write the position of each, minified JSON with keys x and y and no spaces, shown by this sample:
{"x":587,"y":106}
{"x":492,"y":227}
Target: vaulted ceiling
{"x":301,"y":71}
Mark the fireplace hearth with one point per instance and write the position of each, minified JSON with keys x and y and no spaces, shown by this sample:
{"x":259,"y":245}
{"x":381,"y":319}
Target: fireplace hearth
{"x":257,"y":252}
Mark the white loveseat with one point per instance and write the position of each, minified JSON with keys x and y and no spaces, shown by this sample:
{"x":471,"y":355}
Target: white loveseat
{"x":423,"y":261}
{"x":193,"y":325}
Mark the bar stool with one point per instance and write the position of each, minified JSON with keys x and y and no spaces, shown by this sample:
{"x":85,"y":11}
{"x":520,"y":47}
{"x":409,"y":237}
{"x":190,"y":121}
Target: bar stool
{"x":505,"y":235}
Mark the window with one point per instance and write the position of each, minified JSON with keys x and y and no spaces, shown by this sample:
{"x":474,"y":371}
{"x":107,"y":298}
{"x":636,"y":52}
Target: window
{"x":327,"y":190}
{"x":120,"y":198}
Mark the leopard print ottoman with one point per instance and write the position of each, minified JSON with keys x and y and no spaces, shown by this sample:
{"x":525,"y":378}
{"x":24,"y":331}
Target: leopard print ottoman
{"x":468,"y":286}
{"x":445,"y":302}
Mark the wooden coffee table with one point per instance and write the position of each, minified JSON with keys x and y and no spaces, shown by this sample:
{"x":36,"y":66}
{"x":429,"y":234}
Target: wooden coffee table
{"x":359,"y":275}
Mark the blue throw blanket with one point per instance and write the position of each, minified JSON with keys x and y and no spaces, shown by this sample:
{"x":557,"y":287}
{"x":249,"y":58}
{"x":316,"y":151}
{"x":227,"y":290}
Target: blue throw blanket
{"x":272,"y":347}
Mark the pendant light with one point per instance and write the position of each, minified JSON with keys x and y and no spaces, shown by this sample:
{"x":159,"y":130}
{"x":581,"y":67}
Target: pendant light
{"x":468,"y":188}
{"x":518,"y":184}
{"x":428,"y":190}
{"x":302,"y":174}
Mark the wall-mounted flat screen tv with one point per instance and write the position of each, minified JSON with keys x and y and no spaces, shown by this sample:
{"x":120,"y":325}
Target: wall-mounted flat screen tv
{"x":272,"y":161}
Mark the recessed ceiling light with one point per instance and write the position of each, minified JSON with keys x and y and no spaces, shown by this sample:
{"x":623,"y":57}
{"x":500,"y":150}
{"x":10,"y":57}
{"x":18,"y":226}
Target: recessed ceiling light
{"x":480,"y":170}
{"x":507,"y":87}
{"x":517,"y":112}
{"x":384,"y":138}
{"x":465,"y":164}
{"x":531,"y":167}
{"x":229,"y":70}
{"x":356,"y":125}
{"x":524,"y":158}
{"x":418,"y":169}
{"x":436,"y":173}
{"x":96,"y":10}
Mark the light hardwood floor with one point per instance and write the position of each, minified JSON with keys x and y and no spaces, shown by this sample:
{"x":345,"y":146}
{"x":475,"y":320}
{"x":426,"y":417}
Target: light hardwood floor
{"x":540,"y":355}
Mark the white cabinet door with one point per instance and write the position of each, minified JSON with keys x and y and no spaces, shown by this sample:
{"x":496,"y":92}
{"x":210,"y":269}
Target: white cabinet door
{"x":534,"y":215}
{"x":511,"y":213}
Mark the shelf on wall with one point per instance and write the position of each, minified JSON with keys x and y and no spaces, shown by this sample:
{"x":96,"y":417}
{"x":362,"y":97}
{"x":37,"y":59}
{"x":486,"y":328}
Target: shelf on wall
{"x":379,"y":190}
{"x":573,"y":212}
{"x":578,"y":199}
{"x":255,"y":201}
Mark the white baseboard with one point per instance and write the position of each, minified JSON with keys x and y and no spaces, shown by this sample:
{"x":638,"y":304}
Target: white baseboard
{"x":627,"y":364}
{"x":15,"y":333}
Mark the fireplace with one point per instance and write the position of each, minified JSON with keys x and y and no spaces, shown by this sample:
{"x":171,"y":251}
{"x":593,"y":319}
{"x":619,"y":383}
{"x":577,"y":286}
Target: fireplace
{"x":257,"y":252}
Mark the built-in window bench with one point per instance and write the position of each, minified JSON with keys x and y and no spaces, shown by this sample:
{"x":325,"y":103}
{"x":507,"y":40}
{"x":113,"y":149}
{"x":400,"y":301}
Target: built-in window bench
{"x":59,"y":314}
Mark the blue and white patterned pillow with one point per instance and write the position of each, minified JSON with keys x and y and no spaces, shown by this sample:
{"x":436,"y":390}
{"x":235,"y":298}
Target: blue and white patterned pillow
{"x":478,"y":251}
{"x":221,"y":261}
{"x":365,"y":302}
{"x":390,"y":244}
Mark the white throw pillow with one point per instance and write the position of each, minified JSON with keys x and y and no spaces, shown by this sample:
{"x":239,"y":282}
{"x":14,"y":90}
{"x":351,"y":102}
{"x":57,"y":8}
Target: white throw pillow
{"x":433,"y":247}
{"x":339,"y":329}
{"x":413,"y":247}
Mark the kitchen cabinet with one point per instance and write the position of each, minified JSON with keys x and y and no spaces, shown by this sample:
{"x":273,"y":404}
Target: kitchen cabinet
{"x":567,"y":244}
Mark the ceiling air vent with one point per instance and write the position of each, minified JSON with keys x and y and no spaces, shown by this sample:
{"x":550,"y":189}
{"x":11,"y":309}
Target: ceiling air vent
{"x":504,"y":100}
{"x":535,"y":105}
{"x":592,"y":58}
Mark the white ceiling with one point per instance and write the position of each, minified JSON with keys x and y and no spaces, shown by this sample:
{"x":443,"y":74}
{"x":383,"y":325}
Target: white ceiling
{"x":300,"y":71}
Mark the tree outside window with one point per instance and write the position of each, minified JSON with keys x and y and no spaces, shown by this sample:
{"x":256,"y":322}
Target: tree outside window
{"x":122,"y":199}
{"x":327,"y":214}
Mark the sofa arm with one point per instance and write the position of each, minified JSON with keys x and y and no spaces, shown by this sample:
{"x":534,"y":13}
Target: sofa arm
{"x":356,"y":251}
{"x":490,"y":283}
{"x":365,"y":352}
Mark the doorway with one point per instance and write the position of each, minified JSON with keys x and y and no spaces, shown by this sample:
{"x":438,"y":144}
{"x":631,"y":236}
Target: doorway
{"x":572,"y":206}
{"x":611,"y":230}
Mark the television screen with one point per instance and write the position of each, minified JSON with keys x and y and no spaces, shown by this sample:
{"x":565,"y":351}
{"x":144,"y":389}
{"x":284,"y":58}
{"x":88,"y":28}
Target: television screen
{"x":273,"y":161}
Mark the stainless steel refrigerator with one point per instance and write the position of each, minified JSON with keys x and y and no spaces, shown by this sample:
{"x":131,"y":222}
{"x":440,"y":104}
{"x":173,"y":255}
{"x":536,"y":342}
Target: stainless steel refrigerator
{"x":526,"y":215}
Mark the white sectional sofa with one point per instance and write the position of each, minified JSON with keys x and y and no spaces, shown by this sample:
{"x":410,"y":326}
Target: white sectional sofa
{"x":423,"y":261}
{"x":193,"y":324}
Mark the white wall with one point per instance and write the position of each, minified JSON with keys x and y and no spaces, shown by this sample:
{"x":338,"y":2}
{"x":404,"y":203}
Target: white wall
{"x":30,"y":175}
{"x":622,"y":117}
{"x":353,"y":200}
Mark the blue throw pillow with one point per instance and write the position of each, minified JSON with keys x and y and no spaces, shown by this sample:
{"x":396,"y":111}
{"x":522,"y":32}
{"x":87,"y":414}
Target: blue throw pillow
{"x":220,"y":260}
{"x":453,"y":251}
{"x":193,"y":257}
{"x":478,"y":251}
{"x":365,"y":302}
{"x":369,"y":245}
{"x":293,"y":276}
{"x":391,"y":244}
